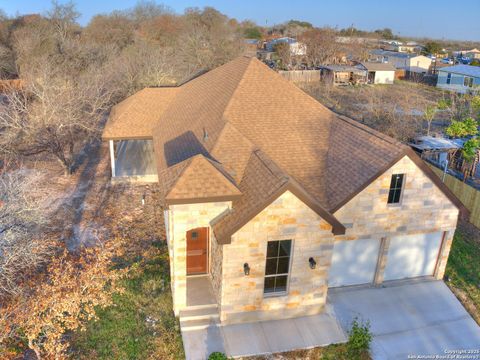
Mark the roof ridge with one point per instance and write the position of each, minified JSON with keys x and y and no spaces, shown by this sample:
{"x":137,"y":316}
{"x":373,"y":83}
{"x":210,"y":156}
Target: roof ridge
{"x":262,"y":157}
{"x":233,"y":94}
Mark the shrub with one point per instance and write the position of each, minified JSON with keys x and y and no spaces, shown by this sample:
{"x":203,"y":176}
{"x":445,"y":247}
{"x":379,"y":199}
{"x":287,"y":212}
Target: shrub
{"x":359,"y":339}
{"x":217,"y":356}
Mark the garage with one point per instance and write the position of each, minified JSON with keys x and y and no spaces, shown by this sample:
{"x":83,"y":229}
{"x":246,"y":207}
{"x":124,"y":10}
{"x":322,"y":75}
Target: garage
{"x":412,"y":255}
{"x":353,"y":262}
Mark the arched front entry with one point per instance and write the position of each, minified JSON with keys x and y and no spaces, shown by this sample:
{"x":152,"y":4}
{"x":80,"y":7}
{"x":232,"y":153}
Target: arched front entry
{"x":197,"y":251}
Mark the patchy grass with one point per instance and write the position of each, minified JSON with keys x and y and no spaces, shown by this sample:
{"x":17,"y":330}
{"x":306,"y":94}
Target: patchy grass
{"x":140,"y":324}
{"x":331,"y":352}
{"x":463,"y":268}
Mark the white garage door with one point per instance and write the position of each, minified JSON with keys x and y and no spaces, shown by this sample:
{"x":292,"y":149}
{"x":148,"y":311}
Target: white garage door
{"x":354,"y":262}
{"x":412,"y":255}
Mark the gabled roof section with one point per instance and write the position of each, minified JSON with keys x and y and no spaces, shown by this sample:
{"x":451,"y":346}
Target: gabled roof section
{"x":289,"y":126}
{"x":356,"y":155}
{"x":202,"y":180}
{"x":263,"y":182}
{"x":244,"y":124}
{"x":233,"y":150}
{"x":136,"y":116}
{"x":193,"y":121}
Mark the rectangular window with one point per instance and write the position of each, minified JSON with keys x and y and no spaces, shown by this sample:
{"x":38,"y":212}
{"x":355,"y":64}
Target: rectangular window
{"x":395,"y":192}
{"x":468,"y":81}
{"x":449,"y":78}
{"x":277,"y":266}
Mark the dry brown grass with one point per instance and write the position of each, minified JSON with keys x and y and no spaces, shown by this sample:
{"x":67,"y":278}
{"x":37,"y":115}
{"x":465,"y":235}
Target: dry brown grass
{"x":396,"y":110}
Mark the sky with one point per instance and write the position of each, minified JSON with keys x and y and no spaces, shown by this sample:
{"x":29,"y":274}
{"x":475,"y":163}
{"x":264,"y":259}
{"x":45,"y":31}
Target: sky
{"x":439,"y":19}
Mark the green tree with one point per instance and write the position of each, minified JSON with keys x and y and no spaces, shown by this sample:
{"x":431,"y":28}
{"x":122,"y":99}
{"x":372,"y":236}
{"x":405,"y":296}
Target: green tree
{"x":253,"y":33}
{"x":304,"y":24}
{"x":469,"y":154}
{"x":470,"y":149}
{"x":459,"y":129}
{"x":385,"y":33}
{"x":432,"y":47}
{"x":475,"y":62}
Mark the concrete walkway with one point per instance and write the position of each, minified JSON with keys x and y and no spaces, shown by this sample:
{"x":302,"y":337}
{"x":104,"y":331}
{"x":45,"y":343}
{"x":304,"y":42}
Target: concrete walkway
{"x":408,"y":318}
{"x":265,"y":337}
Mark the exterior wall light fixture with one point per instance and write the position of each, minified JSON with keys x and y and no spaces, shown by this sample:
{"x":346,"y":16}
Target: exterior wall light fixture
{"x":246,"y":269}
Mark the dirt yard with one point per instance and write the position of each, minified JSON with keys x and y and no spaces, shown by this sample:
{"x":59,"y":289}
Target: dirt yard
{"x":396,"y":109}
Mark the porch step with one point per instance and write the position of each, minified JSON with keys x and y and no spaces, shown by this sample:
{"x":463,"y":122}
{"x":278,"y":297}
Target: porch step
{"x":199,"y":314}
{"x":191,"y":325}
{"x":199,"y":317}
{"x":199,"y":307}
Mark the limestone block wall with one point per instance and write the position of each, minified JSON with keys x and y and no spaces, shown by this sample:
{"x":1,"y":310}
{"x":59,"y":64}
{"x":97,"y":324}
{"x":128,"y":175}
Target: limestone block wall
{"x":423,"y":209}
{"x":242,"y":297}
{"x":183,"y":218}
{"x":216,"y":266}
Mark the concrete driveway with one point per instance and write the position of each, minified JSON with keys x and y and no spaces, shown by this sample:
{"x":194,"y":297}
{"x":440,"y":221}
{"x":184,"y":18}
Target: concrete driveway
{"x":408,"y":318}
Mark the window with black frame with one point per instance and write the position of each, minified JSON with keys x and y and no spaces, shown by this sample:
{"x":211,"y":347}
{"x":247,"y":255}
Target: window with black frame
{"x":277,"y":266}
{"x":396,"y":185}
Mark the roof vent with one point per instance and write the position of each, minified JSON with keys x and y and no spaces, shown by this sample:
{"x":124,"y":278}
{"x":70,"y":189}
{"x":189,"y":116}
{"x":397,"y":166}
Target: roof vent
{"x":205,"y":134}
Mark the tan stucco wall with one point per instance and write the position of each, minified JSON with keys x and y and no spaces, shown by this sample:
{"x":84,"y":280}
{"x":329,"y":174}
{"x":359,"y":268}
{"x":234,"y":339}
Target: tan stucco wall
{"x":242,"y":297}
{"x":423,"y":209}
{"x":184,"y":218}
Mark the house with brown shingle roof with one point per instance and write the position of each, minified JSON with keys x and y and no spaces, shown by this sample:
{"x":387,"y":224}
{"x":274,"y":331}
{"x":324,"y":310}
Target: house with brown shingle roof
{"x":271,"y":199}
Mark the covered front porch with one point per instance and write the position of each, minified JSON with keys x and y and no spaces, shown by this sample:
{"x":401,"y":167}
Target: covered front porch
{"x":200,"y":291}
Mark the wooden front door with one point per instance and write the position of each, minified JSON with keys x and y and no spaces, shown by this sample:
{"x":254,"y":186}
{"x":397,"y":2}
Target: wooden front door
{"x":197,"y":254}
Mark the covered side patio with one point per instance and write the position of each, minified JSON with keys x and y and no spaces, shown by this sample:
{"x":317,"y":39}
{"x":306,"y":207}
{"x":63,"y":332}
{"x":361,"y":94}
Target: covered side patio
{"x":133,"y":160}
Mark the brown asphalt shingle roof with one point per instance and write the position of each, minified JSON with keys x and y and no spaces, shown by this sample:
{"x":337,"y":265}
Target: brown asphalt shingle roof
{"x":135,"y":117}
{"x":201,"y":179}
{"x":262,"y":135}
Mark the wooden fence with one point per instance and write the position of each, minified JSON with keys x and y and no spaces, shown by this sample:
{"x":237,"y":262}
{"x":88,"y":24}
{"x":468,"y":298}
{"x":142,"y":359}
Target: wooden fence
{"x":301,"y":75}
{"x":468,"y":195}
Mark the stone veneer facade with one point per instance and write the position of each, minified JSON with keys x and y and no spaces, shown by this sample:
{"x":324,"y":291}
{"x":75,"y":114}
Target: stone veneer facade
{"x":423,"y":209}
{"x":180,"y":219}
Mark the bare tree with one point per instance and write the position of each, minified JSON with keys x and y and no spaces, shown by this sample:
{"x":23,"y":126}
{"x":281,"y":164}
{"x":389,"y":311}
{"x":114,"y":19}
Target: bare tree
{"x":322,"y":47}
{"x":63,"y":18}
{"x":208,"y":40}
{"x":284,"y":54}
{"x":22,"y":248}
{"x":56,"y":114}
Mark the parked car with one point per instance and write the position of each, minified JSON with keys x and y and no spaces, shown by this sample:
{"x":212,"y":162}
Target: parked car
{"x":447,"y":61}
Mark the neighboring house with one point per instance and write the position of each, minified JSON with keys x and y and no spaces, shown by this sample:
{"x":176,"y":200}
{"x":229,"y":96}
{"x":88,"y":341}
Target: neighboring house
{"x":460,"y":78}
{"x":470,"y":54}
{"x":296,"y":48}
{"x":404,"y":48}
{"x":343,"y":75}
{"x":274,"y":199}
{"x":378,"y":73}
{"x":435,"y":149}
{"x":473,"y":54}
{"x":412,"y":63}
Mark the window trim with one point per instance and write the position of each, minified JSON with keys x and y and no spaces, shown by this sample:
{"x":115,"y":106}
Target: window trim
{"x":287,"y":290}
{"x":400,"y":200}
{"x":449,"y":78}
{"x":470,"y":79}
